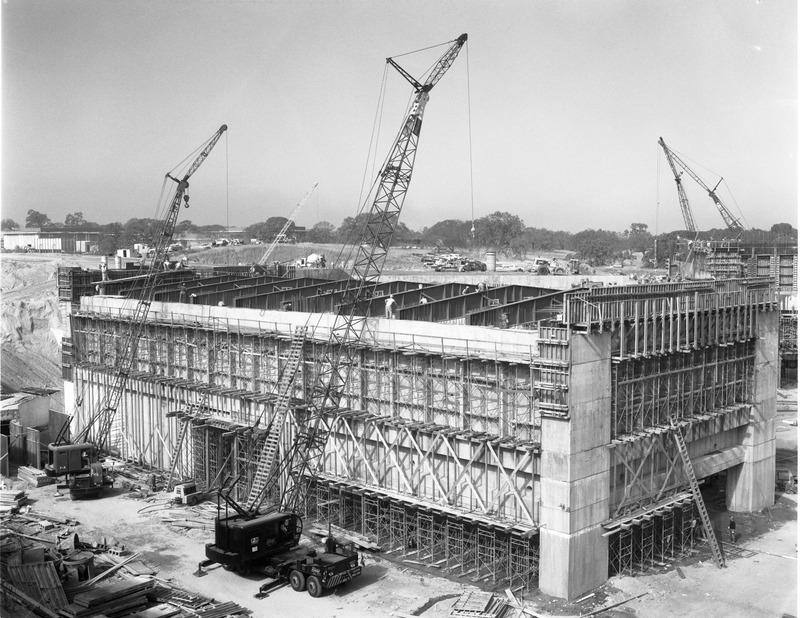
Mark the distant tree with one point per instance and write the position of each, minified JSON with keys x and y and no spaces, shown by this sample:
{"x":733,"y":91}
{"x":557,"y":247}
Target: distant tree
{"x":204,"y":229}
{"x":351,"y":227}
{"x":784,"y":229}
{"x":450,"y":233}
{"x":142,"y":231}
{"x":639,"y":239}
{"x":269,"y":229}
{"x":8,"y":224}
{"x":598,"y":247}
{"x":110,"y":236}
{"x":182,"y":227}
{"x":498,"y":229}
{"x":404,"y":235}
{"x":75,"y":219}
{"x":322,"y":232}
{"x":35,"y":218}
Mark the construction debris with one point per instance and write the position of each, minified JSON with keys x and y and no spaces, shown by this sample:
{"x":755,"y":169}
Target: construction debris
{"x":12,"y":499}
{"x":475,"y":604}
{"x":112,"y":599}
{"x":34,"y":476}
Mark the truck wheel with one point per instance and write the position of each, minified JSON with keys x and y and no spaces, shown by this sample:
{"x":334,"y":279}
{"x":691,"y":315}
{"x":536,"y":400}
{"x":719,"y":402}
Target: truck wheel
{"x":314,"y":586}
{"x":297,"y":580}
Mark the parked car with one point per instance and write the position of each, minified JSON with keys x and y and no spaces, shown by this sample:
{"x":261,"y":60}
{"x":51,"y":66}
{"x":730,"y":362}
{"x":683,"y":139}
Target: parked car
{"x":471,"y":265}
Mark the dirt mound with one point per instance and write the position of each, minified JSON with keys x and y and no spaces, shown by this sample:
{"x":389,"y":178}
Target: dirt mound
{"x":32,"y":324}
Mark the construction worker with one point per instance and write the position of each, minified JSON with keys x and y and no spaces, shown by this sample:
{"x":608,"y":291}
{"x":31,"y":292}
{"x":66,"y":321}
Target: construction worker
{"x":391,"y":303}
{"x":732,"y":529}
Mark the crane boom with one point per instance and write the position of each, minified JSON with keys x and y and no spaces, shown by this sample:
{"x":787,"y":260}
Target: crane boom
{"x":381,"y":222}
{"x":286,"y":225}
{"x":686,"y":211}
{"x":98,"y":428}
{"x":731,"y":221}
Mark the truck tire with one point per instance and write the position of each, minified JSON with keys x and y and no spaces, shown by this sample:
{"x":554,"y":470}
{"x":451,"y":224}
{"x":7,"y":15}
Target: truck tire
{"x":314,"y":586}
{"x":297,"y":581}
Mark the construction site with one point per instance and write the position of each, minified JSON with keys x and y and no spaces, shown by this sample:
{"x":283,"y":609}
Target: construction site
{"x":528,"y":437}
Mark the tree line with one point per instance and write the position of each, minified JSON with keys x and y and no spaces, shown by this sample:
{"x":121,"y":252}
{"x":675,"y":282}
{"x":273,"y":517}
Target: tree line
{"x":500,"y":231}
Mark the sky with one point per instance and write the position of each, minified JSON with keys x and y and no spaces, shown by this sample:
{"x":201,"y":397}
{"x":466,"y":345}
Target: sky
{"x":551,"y":112}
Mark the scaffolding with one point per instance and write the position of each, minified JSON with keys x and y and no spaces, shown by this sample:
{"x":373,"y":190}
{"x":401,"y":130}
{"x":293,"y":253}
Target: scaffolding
{"x":460,"y":546}
{"x":652,"y":539}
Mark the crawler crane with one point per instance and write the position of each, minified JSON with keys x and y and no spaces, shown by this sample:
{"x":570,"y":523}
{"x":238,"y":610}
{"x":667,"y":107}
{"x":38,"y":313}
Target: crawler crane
{"x":252,"y":538}
{"x":79,"y":459}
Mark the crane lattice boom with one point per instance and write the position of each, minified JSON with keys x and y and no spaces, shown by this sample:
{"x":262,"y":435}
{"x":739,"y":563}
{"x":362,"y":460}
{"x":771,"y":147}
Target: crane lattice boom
{"x":98,"y":428}
{"x":731,"y":221}
{"x":381,"y":222}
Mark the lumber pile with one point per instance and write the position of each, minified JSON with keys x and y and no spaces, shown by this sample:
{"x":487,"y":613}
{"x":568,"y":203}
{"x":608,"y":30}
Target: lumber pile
{"x":34,"y":476}
{"x":164,"y":610}
{"x":479,"y":605}
{"x":221,"y":610}
{"x":111,"y":599}
{"x":12,"y":499}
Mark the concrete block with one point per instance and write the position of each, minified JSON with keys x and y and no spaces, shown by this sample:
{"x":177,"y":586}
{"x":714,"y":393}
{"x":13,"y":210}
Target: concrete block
{"x":589,"y":490}
{"x":759,"y":452}
{"x":555,"y":435}
{"x":751,"y":486}
{"x":588,"y":348}
{"x":590,"y":462}
{"x":588,"y":516}
{"x":571,"y":565}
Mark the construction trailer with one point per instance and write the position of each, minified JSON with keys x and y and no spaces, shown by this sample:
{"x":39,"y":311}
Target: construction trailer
{"x":528,"y":441}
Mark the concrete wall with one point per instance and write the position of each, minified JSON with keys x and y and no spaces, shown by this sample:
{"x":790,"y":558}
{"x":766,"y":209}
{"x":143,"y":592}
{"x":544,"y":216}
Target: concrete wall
{"x":379,"y":332}
{"x":575,"y":481}
{"x":751,"y":485}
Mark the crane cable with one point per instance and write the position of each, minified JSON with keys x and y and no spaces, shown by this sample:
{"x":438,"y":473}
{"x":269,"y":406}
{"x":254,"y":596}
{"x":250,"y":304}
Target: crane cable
{"x":469,"y":133}
{"x":227,"y":189}
{"x":722,"y":179}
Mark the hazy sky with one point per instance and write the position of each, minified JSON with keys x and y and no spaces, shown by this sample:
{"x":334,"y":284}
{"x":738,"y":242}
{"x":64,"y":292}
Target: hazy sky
{"x":568,"y":99}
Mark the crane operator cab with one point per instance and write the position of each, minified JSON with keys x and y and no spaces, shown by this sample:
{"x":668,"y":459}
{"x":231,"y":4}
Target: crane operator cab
{"x":240,"y":543}
{"x":70,"y":458}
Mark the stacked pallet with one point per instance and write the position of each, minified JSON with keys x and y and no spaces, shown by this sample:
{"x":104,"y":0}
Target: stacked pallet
{"x":34,"y":476}
{"x":12,"y":499}
{"x":111,"y":599}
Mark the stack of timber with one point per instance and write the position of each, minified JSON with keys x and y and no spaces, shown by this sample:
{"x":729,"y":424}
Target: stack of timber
{"x":12,"y":499}
{"x":479,"y":605}
{"x":111,"y":599}
{"x":221,"y":610}
{"x":34,"y":476}
{"x":163,"y":610}
{"x":40,"y":582}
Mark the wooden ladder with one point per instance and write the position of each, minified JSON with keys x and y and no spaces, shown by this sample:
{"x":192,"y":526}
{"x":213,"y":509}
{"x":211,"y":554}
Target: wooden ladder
{"x":698,"y":497}
{"x":266,"y":459}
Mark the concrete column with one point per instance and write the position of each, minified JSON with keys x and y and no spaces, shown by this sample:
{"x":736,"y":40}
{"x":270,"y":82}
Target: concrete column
{"x":575,"y":476}
{"x":751,"y":485}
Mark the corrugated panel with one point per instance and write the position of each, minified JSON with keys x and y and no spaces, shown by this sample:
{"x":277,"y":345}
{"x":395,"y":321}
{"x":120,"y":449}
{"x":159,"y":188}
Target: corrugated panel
{"x":40,"y":582}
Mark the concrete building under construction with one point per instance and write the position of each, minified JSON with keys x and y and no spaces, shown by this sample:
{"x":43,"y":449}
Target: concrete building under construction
{"x":516,"y":435}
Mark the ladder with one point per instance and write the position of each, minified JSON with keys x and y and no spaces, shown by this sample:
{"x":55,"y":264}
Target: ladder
{"x":266,"y":459}
{"x":698,"y":497}
{"x":186,"y":422}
